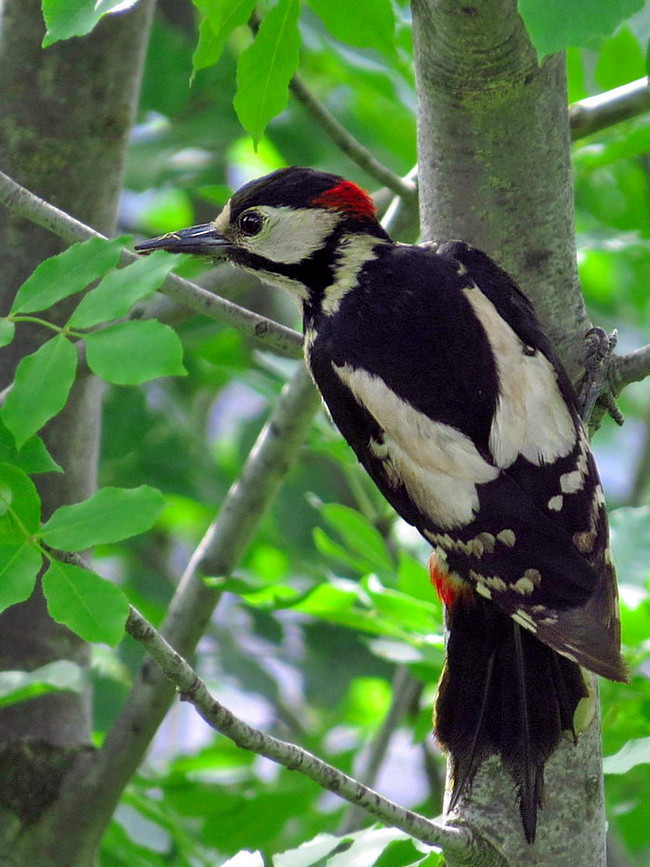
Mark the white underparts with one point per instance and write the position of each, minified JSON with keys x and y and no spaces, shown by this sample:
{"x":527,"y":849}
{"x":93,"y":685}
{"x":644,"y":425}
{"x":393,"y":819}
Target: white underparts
{"x":439,"y":466}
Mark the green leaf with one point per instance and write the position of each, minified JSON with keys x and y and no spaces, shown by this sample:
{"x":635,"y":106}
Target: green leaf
{"x":69,"y":272}
{"x":59,"y":676}
{"x":84,"y":602}
{"x":133,"y":352}
{"x":309,"y":853}
{"x":329,"y":548}
{"x":220,"y":19}
{"x":65,"y":19}
{"x":41,"y":387}
{"x":634,"y":752}
{"x":119,"y":291}
{"x":245,"y":858}
{"x":411,"y":614}
{"x":413,"y":580}
{"x":620,"y":60}
{"x":109,"y":515}
{"x":6,"y":497}
{"x":7,"y":331}
{"x":364,"y":23}
{"x":22,"y":513}
{"x":20,"y":559}
{"x":265,"y":68}
{"x":557,"y":24}
{"x":359,"y":535}
{"x":20,"y":562}
{"x":367,"y":847}
{"x":32,"y":457}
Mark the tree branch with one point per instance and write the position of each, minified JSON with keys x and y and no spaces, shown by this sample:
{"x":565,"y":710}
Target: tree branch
{"x":351,"y":146}
{"x":455,"y":840}
{"x":24,"y":203}
{"x":595,"y":113}
{"x":405,"y":688}
{"x":632,"y":367}
{"x":96,"y":786}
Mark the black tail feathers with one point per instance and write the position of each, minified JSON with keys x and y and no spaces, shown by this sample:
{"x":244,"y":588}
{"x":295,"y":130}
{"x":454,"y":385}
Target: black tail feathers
{"x":503,"y":692}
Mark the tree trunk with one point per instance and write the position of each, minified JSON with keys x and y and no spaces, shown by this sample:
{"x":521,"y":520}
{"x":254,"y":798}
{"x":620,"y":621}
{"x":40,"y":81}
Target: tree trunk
{"x":494,"y":170}
{"x":65,"y":116}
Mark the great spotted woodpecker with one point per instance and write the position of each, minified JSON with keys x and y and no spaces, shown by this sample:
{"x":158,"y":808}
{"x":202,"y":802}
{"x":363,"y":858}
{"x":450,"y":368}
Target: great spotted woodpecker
{"x":436,"y":371}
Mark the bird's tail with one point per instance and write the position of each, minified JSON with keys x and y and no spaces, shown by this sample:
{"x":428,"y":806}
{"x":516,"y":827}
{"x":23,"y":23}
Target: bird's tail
{"x":502,"y":692}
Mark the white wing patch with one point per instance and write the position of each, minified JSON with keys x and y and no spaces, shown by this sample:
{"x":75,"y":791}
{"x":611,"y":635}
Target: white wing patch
{"x":531,"y":418}
{"x":439,"y":466}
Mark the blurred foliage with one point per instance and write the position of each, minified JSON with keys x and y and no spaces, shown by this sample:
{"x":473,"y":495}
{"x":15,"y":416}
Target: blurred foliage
{"x":332,"y":598}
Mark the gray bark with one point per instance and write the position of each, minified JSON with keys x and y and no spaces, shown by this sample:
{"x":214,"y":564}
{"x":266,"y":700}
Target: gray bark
{"x":494,"y":153}
{"x":494,"y":158}
{"x":65,"y":116}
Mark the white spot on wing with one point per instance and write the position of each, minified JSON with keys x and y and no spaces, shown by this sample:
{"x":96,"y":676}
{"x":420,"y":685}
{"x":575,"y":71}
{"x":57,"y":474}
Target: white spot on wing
{"x":555,"y":503}
{"x":531,"y":418}
{"x":507,"y":538}
{"x":439,"y":466}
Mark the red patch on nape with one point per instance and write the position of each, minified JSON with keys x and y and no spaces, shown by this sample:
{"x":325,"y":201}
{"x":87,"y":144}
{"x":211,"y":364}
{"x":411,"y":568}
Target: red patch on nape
{"x":442,"y":580}
{"x":348,"y":198}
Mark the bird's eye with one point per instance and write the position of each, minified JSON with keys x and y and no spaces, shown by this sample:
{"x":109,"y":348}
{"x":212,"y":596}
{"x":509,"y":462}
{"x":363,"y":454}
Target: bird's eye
{"x":250,"y":223}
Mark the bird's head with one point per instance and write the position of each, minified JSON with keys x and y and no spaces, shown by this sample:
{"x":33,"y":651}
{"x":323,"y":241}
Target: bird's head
{"x":297,"y":228}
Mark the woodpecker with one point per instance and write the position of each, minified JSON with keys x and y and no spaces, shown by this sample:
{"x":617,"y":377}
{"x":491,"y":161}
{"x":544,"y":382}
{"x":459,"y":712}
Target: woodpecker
{"x":435,"y":369}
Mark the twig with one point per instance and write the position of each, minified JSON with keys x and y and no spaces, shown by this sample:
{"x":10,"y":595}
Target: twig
{"x":21,"y":201}
{"x":402,"y":217}
{"x":594,"y":113}
{"x":350,"y":146}
{"x":405,"y":688}
{"x":192,"y":606}
{"x":632,"y":367}
{"x":193,"y":689}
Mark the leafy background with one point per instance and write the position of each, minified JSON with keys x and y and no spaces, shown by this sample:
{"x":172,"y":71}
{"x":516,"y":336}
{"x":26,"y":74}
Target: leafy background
{"x":331,"y":575}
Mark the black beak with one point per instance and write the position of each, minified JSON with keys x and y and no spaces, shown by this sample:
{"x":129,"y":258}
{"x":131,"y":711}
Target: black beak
{"x":202,"y":240}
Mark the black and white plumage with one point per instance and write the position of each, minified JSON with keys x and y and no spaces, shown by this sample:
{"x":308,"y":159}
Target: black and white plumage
{"x":435,"y":370}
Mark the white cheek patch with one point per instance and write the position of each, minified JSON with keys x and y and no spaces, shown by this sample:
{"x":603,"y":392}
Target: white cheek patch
{"x":531,"y":418}
{"x":290,"y":235}
{"x":439,"y":466}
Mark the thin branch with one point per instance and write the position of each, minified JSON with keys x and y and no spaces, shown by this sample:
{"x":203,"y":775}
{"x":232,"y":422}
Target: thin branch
{"x":632,"y":367}
{"x":595,"y":113}
{"x":21,"y":201}
{"x":351,"y":146}
{"x":405,"y":688}
{"x":455,"y":840}
{"x":193,"y":604}
{"x":401,"y":217}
